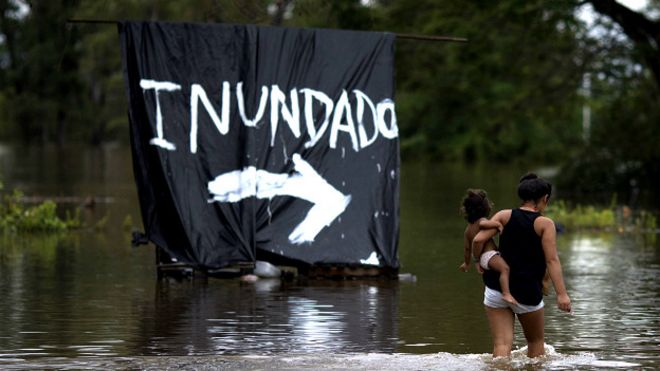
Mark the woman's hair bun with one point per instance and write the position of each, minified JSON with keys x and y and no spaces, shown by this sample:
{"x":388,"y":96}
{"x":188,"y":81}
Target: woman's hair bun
{"x":532,"y":187}
{"x":528,"y":176}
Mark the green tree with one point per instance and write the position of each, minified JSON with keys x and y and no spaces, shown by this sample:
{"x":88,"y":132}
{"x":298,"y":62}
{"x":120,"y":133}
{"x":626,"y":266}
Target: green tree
{"x":643,"y":31}
{"x":499,"y":96}
{"x":621,"y":156}
{"x":100,"y":60}
{"x":41,"y":85}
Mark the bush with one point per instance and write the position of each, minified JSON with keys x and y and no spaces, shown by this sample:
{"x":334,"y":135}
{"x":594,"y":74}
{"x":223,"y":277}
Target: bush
{"x":608,"y":218}
{"x":15,"y":217}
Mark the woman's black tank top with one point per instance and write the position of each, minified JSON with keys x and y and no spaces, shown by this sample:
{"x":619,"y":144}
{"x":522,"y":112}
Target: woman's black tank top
{"x":521,"y":248}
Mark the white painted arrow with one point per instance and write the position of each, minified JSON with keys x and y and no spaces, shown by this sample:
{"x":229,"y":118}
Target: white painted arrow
{"x":304,"y":183}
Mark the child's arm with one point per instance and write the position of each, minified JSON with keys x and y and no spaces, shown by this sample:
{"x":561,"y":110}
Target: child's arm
{"x":490,"y":224}
{"x":467,"y":252}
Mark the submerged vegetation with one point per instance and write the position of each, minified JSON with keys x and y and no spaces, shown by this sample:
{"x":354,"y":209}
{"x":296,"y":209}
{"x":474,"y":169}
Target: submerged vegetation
{"x":612,"y":217}
{"x":16,"y":217}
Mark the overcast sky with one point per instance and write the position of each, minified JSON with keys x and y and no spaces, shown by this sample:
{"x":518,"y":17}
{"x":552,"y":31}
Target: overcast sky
{"x":587,"y":12}
{"x":634,"y":4}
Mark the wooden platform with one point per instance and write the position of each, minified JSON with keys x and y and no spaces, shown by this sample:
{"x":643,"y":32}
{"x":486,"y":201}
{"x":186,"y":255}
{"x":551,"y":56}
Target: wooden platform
{"x":166,"y":266}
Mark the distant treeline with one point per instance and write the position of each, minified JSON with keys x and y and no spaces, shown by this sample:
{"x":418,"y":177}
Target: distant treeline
{"x":522,"y":89}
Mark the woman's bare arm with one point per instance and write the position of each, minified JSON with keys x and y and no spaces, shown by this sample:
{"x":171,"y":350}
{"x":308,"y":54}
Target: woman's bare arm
{"x":501,"y":217}
{"x":548,"y":233}
{"x":490,"y":224}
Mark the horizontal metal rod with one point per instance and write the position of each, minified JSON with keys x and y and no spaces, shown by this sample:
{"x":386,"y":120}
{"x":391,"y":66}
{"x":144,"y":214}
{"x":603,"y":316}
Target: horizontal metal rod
{"x":398,"y":35}
{"x":95,"y":21}
{"x":430,"y":37}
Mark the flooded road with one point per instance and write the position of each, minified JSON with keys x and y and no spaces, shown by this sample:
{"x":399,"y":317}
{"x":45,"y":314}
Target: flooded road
{"x":88,"y":300}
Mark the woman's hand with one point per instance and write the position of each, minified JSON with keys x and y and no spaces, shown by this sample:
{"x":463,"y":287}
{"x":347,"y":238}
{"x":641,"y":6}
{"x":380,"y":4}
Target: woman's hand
{"x":564,"y":302}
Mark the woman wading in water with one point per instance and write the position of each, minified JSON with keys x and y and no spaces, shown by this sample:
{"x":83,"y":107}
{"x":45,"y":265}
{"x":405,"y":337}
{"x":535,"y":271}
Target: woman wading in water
{"x":528,"y":245}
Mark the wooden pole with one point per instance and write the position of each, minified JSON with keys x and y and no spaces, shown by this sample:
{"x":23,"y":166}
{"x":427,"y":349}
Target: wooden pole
{"x":91,"y":21}
{"x":430,"y":38}
{"x":402,"y":36}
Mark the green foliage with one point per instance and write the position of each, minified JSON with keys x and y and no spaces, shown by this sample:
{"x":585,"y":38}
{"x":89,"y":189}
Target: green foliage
{"x":62,"y":82}
{"x":607,"y":218}
{"x":346,"y":14}
{"x":646,"y":221}
{"x":127,"y":224}
{"x":500,"y":95}
{"x":15,"y":217}
{"x":582,"y":216}
{"x":41,"y":80}
{"x":101,"y":223}
{"x":621,"y":155}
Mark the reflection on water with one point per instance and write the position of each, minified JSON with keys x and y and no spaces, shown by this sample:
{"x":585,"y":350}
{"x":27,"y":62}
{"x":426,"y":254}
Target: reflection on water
{"x":88,"y":300}
{"x":614,"y":279}
{"x":269,"y":317}
{"x":63,"y":299}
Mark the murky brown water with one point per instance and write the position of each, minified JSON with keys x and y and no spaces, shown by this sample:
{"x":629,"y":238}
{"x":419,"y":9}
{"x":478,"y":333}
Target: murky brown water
{"x":88,"y":300}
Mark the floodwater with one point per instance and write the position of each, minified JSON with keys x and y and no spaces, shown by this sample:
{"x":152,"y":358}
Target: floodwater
{"x":88,"y":300}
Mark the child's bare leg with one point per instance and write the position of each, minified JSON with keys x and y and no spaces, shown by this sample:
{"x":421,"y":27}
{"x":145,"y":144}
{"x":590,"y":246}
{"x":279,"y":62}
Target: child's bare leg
{"x":498,"y":264}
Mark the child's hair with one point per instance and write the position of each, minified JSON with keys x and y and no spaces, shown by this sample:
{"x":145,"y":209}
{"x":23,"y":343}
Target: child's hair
{"x":532,"y":188}
{"x":475,"y":205}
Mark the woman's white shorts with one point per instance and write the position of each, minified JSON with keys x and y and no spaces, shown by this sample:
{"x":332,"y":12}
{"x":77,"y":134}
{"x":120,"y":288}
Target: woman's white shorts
{"x":493,"y":299}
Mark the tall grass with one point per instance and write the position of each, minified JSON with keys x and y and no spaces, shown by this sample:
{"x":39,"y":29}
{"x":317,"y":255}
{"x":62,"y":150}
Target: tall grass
{"x":612,"y":217}
{"x":16,"y":217}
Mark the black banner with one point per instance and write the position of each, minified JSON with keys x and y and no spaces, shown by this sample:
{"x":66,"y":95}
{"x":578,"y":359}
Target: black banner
{"x":255,"y":140}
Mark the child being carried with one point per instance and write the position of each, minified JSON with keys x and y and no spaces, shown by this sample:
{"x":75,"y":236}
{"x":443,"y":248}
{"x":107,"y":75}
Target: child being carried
{"x":476,"y":208}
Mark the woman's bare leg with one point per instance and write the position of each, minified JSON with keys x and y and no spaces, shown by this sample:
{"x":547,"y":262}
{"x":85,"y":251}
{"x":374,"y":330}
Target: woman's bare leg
{"x":500,"y":321}
{"x":498,"y":264}
{"x":532,"y":324}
